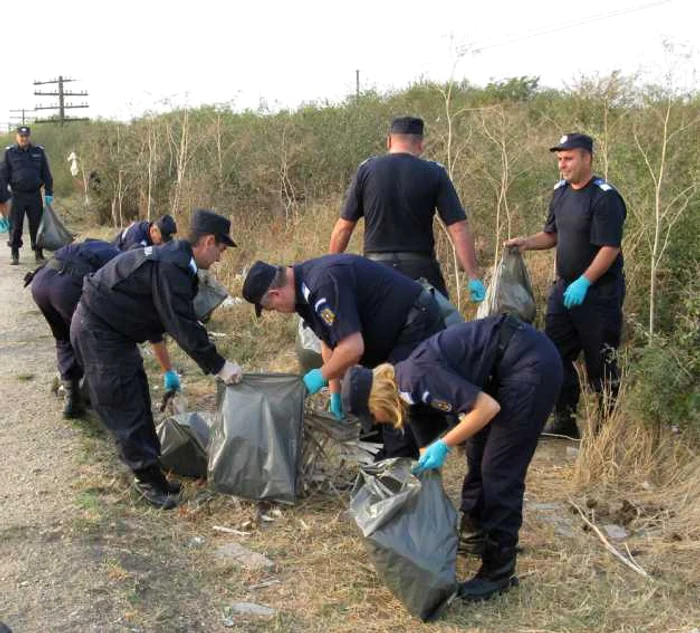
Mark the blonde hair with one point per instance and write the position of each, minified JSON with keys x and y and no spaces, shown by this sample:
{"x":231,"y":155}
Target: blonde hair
{"x":384,"y":396}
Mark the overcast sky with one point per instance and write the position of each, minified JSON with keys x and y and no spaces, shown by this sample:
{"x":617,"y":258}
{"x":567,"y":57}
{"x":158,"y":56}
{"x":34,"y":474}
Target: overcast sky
{"x":135,"y":56}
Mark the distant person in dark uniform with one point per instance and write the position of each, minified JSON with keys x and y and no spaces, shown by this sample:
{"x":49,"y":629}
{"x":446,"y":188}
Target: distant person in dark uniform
{"x":397,"y":194}
{"x":137,"y":297}
{"x":584,"y":310}
{"x":25,"y":169}
{"x":363,"y":312}
{"x":146,"y":233}
{"x":56,"y":289}
{"x":501,"y":378}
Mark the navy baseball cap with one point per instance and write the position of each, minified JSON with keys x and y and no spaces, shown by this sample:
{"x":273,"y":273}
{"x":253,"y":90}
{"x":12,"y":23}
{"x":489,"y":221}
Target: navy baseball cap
{"x":206,"y":222}
{"x":167,"y":226}
{"x":24,"y":130}
{"x":257,"y":282}
{"x":574,"y":141}
{"x":407,"y":125}
{"x":354,"y":394}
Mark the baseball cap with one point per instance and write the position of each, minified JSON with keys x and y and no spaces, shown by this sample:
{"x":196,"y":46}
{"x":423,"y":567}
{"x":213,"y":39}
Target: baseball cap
{"x":206,"y":222}
{"x":257,"y":282}
{"x":24,"y":130}
{"x":354,"y":394}
{"x":574,"y":140}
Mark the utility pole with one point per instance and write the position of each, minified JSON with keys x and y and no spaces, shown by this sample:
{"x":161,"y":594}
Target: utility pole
{"x":24,"y":115}
{"x":357,"y":83}
{"x":62,"y":106}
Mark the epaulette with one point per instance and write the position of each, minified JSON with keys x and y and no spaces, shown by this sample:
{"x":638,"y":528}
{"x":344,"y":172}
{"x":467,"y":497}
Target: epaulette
{"x":438,"y":163}
{"x":560,"y":184}
{"x":41,"y":147}
{"x":599,"y":182}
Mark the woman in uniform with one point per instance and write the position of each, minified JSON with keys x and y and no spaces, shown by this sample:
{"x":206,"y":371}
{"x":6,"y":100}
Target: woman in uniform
{"x":501,"y":379}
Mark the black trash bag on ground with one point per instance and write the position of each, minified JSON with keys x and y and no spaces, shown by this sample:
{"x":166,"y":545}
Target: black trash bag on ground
{"x":256,"y":438}
{"x":183,"y":443}
{"x":52,"y":235}
{"x":510,"y":290}
{"x":410,"y":530}
{"x":449,"y":311}
{"x":308,"y":348}
{"x":209,"y":296}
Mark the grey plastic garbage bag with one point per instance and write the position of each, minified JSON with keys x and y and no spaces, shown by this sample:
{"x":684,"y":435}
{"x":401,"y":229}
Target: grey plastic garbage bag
{"x":209,"y":296}
{"x":52,"y":235}
{"x":183,"y":443}
{"x":449,"y":311}
{"x":308,"y":348}
{"x":255,"y":445}
{"x":510,"y":290}
{"x":410,"y":530}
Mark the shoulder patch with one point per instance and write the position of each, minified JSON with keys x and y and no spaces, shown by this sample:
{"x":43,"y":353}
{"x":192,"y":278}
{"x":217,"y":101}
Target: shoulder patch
{"x":407,"y":397}
{"x":327,"y":315}
{"x":441,"y":405}
{"x":41,"y":147}
{"x":560,"y":184}
{"x":602,"y":184}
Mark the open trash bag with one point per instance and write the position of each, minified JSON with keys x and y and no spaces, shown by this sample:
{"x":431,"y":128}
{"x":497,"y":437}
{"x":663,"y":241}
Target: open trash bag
{"x":308,"y":348}
{"x":449,"y":311}
{"x":256,"y":439}
{"x":510,"y":290}
{"x":410,"y":530}
{"x":52,"y":235}
{"x":183,"y":443}
{"x":209,"y":296}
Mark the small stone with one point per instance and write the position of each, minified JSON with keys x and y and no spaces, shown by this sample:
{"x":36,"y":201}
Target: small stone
{"x":571,"y":452}
{"x":250,"y":608}
{"x":615,"y":532}
{"x":197,"y":541}
{"x":244,"y":556}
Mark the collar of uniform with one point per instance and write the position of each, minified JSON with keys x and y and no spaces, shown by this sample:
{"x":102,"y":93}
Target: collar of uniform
{"x":193,"y":265}
{"x":301,"y":290}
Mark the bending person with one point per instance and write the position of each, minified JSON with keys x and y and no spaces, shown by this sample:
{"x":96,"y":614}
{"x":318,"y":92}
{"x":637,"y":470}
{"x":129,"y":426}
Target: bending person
{"x":501,"y":378}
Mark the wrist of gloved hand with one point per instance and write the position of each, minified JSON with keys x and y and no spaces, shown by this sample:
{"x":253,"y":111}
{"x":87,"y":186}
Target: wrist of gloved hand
{"x":576,"y":292}
{"x":477,"y":290}
{"x":314,"y":381}
{"x":171,"y":381}
{"x":48,"y":199}
{"x":336,"y":406}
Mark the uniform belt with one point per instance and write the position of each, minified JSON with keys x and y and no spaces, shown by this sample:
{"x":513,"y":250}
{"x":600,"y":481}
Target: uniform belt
{"x":399,"y":257}
{"x":70,"y":268}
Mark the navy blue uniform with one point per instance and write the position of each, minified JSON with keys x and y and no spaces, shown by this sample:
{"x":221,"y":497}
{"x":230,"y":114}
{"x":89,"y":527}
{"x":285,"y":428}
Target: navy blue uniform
{"x":523,"y":374}
{"x":584,"y":220}
{"x":137,"y":297}
{"x":136,"y":234}
{"x":397,"y":194}
{"x":26,"y":171}
{"x":340,"y":295}
{"x":56,"y":289}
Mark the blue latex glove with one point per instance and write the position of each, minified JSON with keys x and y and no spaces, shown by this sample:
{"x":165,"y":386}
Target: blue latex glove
{"x":477,"y":291}
{"x":336,"y":407}
{"x":314,"y":381}
{"x":171,"y":381}
{"x":576,"y":292}
{"x":433,"y":457}
{"x":4,"y":225}
{"x":48,"y":200}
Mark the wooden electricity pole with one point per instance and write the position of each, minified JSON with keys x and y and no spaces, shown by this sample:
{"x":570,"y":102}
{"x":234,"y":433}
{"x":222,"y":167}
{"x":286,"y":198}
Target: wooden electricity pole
{"x":62,"y":106}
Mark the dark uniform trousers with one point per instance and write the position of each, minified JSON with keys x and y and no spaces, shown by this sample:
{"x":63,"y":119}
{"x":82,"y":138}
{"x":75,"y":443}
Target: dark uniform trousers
{"x":57,"y":295}
{"x":499,"y":455}
{"x":593,"y":327}
{"x":118,"y":387}
{"x":31,"y":204}
{"x":415,"y":266}
{"x":423,"y":320}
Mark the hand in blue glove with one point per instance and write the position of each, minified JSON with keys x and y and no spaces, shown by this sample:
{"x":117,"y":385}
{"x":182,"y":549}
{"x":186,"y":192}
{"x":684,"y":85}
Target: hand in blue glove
{"x":314,"y":381}
{"x":4,"y":225}
{"x":477,"y":291}
{"x":576,"y":292}
{"x":336,"y":406}
{"x":171,"y":381}
{"x":433,"y":457}
{"x":48,"y":200}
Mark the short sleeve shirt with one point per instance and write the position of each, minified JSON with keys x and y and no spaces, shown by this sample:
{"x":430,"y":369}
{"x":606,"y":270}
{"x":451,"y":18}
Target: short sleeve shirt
{"x":398,"y":195}
{"x":584,"y":220}
{"x":340,"y":295}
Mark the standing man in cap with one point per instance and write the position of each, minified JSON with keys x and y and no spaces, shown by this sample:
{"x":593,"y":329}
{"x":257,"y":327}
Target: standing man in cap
{"x":146,"y":233}
{"x":363,"y":313}
{"x":25,"y":169}
{"x":139,"y":296}
{"x":584,"y":310}
{"x":398,"y":194}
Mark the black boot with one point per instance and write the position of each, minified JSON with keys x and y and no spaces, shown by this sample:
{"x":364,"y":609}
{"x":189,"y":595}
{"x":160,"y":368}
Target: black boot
{"x":39,"y":256}
{"x":74,"y":406}
{"x":14,"y":257}
{"x":153,"y":487}
{"x":471,"y":537}
{"x":495,"y":575}
{"x":564,"y":423}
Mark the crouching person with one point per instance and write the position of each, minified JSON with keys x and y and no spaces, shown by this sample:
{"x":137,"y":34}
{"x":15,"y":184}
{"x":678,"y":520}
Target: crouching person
{"x":502,"y":379}
{"x":137,"y":297}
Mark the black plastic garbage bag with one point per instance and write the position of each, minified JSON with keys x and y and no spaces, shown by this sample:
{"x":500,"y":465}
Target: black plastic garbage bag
{"x":183,"y":443}
{"x":510,"y":290}
{"x":410,"y":530}
{"x":449,"y":311}
{"x":52,"y":235}
{"x":209,"y":296}
{"x":256,"y":440}
{"x":308,"y":348}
